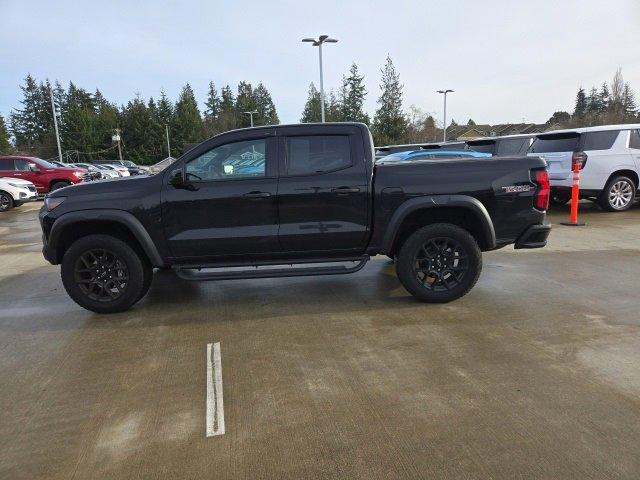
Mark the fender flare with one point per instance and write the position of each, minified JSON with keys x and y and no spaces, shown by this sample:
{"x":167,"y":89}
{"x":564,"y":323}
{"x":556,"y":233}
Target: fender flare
{"x":112,"y":215}
{"x":435,"y":201}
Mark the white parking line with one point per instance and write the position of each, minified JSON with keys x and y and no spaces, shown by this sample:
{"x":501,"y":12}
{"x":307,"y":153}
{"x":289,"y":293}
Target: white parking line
{"x":215,"y":407}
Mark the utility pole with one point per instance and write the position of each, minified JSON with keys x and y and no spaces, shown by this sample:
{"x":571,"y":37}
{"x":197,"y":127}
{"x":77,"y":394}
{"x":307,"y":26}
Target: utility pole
{"x":116,"y":138}
{"x":166,"y":129}
{"x":251,"y":113}
{"x":444,"y":130}
{"x":318,"y":43}
{"x":55,"y":124}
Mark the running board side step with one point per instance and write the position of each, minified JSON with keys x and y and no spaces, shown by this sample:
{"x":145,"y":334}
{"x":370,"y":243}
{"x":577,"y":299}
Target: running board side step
{"x":194,"y":273}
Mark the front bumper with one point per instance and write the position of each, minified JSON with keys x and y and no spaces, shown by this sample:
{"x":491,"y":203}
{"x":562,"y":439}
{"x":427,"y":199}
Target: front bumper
{"x":534,"y":236}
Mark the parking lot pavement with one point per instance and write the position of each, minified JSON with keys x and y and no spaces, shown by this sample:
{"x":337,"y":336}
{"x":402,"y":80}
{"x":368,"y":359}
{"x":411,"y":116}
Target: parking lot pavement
{"x":534,"y":374}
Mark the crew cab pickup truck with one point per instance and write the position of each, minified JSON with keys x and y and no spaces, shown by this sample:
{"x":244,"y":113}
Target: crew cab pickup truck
{"x":289,"y":201}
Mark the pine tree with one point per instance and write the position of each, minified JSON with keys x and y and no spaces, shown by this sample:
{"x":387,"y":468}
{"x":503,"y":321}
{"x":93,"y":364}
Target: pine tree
{"x":24,"y":121}
{"x":354,"y":94}
{"x":390,"y":123}
{"x":580,"y":109}
{"x":267,"y":114}
{"x":104,"y":125}
{"x":594,"y":103}
{"x":245,"y":102}
{"x":186,"y":120}
{"x":212,"y":103}
{"x":77,"y":130}
{"x":5,"y":145}
{"x":311,"y":112}
{"x":227,"y":119}
{"x":136,"y":126}
{"x":604,"y":98}
{"x":333,"y":109}
{"x":629,"y":106}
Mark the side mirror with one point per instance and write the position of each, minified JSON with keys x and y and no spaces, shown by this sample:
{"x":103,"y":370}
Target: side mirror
{"x":34,"y":168}
{"x":177,"y":179}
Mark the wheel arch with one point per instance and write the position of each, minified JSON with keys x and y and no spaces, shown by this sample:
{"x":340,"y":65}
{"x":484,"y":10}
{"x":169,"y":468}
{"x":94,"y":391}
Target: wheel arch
{"x":462,"y":210}
{"x":57,"y":180}
{"x":117,"y":223}
{"x":632,"y":174}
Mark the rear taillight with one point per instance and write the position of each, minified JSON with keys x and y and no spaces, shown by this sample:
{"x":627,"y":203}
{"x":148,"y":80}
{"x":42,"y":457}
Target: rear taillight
{"x":544,"y":189}
{"x":578,"y":159}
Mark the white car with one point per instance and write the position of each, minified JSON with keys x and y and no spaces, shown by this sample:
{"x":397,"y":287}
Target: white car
{"x":609,"y":161}
{"x":14,"y":192}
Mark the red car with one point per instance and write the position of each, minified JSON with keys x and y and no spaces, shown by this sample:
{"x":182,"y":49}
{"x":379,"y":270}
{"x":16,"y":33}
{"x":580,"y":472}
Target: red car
{"x":46,"y":176}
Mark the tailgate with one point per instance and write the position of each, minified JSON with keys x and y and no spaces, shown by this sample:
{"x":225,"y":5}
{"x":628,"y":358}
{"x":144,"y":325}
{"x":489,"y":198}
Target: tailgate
{"x":557,"y":150}
{"x":559,"y":164}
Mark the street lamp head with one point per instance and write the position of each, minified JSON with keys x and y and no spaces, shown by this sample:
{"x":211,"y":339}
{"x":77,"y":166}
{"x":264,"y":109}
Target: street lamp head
{"x":321,"y":39}
{"x":445,"y":91}
{"x":331,"y":40}
{"x":311,"y":40}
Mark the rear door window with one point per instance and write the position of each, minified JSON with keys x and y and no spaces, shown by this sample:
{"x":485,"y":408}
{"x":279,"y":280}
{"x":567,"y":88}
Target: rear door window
{"x":307,"y":155}
{"x":634,"y":141}
{"x":557,"y":142}
{"x":6,"y":164}
{"x":600,"y":140}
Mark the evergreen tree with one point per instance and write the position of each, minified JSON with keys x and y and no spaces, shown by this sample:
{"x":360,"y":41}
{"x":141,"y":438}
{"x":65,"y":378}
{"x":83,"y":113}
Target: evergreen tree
{"x":333,"y":108}
{"x":594,"y":103}
{"x":5,"y":145}
{"x":580,"y":109}
{"x":24,"y":121}
{"x":267,"y":114}
{"x":604,"y":98}
{"x":559,"y":118}
{"x":354,"y":94}
{"x":389,"y":124}
{"x":227,"y":119}
{"x":162,"y":117}
{"x":77,"y":130}
{"x":212,"y":103}
{"x":311,"y":112}
{"x":104,"y":125}
{"x":186,"y":120}
{"x":136,"y":127}
{"x":245,"y":102}
{"x":471,"y":123}
{"x":629,"y":106}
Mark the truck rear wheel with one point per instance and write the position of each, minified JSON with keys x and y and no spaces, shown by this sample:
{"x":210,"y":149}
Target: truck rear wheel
{"x":103,"y":274}
{"x":439,"y":263}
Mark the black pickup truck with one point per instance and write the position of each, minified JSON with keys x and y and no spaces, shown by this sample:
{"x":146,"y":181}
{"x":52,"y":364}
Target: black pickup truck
{"x":293,"y":200}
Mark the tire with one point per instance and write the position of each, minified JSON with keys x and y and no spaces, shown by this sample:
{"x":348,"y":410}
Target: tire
{"x":618,"y":195}
{"x":6,"y":202}
{"x":148,"y":278}
{"x":443,"y":277}
{"x":58,"y":185}
{"x":560,"y":198}
{"x":90,"y":264}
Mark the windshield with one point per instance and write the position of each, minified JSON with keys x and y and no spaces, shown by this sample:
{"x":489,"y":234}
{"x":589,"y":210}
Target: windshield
{"x":128,"y":163}
{"x":47,"y":164}
{"x":484,"y":146}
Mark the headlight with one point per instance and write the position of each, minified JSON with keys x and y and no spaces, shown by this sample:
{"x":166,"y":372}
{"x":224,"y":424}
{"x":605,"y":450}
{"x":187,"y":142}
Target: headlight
{"x":17,"y":185}
{"x":79,"y":174}
{"x":53,"y":202}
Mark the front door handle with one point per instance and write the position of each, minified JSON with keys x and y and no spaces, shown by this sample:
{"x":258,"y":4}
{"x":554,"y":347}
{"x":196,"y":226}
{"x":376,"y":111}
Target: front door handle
{"x":345,"y":190}
{"x":256,"y":195}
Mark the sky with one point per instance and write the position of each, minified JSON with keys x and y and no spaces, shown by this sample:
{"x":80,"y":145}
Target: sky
{"x":507,"y":61}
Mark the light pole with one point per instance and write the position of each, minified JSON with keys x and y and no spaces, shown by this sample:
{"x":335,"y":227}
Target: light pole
{"x":55,"y":124}
{"x":251,"y":113}
{"x":166,"y":129}
{"x":444,"y":130}
{"x":318,"y":43}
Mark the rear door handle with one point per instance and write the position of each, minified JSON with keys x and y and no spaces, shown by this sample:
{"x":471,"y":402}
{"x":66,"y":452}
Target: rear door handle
{"x":256,"y":195}
{"x":345,"y":190}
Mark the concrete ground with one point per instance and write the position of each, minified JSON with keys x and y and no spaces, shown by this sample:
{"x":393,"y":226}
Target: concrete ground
{"x":534,"y":374}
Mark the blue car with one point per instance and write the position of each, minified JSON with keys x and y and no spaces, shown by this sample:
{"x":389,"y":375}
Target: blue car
{"x":432,"y":155}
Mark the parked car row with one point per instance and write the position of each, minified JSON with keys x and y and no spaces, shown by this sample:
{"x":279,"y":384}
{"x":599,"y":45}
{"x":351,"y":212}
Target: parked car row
{"x":607,"y":156}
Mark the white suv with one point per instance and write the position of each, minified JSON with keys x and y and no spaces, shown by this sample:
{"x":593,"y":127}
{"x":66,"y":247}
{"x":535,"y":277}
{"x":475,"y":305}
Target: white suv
{"x":609,"y":160}
{"x":14,"y":192}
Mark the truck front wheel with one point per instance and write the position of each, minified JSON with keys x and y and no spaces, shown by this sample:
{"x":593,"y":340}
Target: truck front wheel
{"x":104,"y":274}
{"x":439,"y":263}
